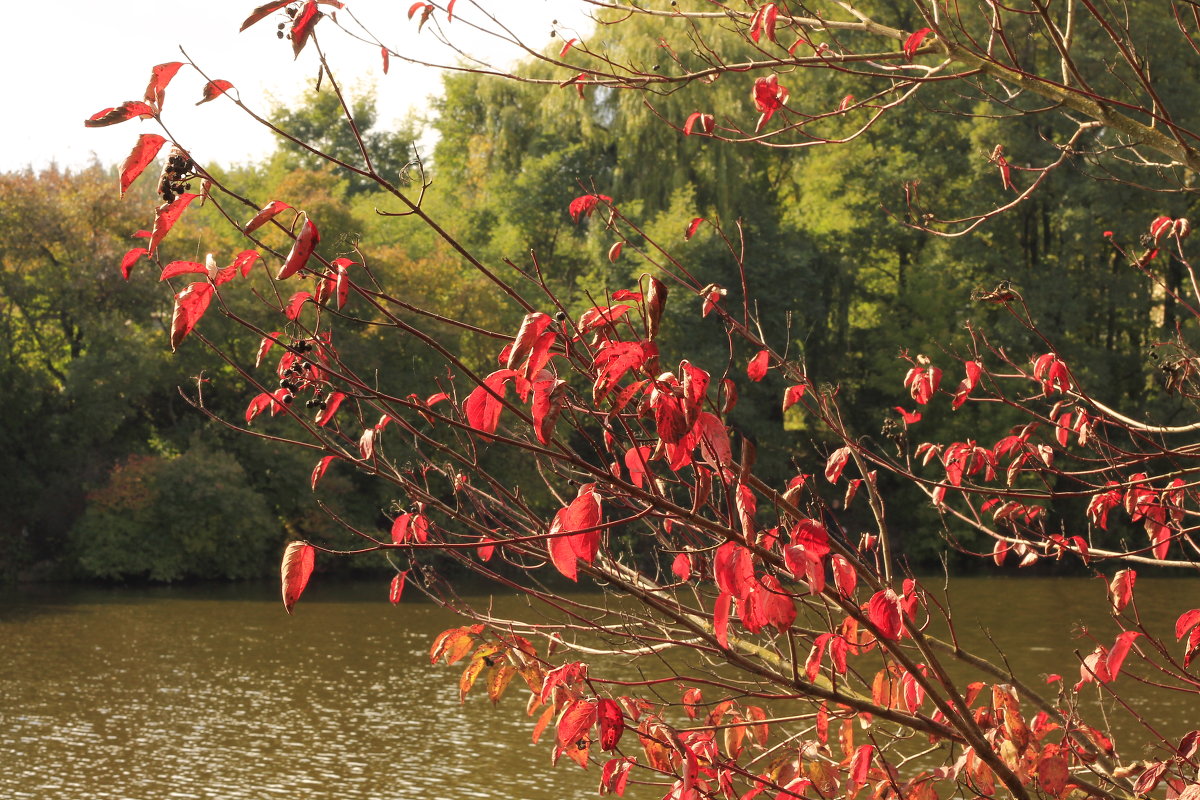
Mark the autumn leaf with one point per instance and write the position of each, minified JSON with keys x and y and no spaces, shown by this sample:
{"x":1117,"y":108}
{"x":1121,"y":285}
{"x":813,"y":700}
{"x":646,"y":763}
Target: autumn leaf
{"x":757,"y":369}
{"x":147,"y":147}
{"x":764,"y":21}
{"x":298,"y":561}
{"x":302,"y":26}
{"x":612,"y":723}
{"x":913,"y":42}
{"x":884,"y":612}
{"x":302,"y":248}
{"x":483,"y":406}
{"x":1120,"y":589}
{"x":331,"y":406}
{"x":584,"y":205}
{"x":160,"y":76}
{"x":176,"y":268}
{"x":836,"y":463}
{"x":319,"y":471}
{"x":706,"y":124}
{"x":213,"y":90}
{"x":566,"y":47}
{"x":692,"y":227}
{"x":268,"y":212}
{"x":396,"y":588}
{"x":125,"y":111}
{"x":131,"y":258}
{"x":190,"y":305}
{"x":263,"y":11}
{"x":165,"y":217}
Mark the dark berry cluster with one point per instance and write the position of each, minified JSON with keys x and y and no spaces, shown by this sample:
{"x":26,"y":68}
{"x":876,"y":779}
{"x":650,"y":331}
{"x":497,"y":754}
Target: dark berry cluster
{"x":175,"y":175}
{"x":279,"y":29}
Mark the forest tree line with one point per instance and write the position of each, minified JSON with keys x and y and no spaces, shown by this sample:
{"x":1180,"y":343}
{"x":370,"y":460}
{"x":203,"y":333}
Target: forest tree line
{"x":105,"y":463}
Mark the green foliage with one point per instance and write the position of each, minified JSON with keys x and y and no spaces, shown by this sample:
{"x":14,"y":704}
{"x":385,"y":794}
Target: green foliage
{"x":172,"y":518}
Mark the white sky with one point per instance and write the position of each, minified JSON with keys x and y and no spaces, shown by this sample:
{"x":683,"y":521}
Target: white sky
{"x":66,"y":60}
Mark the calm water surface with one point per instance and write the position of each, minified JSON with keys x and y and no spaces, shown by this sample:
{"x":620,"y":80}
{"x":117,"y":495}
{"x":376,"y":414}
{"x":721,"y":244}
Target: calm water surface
{"x":214,"y":692}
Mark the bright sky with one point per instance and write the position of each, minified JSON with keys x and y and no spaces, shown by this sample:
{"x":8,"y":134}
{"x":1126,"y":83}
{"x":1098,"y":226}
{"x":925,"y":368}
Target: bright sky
{"x":64,"y":61}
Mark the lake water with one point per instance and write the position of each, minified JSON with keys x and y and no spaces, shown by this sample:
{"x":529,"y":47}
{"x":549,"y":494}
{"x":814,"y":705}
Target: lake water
{"x":214,"y":692}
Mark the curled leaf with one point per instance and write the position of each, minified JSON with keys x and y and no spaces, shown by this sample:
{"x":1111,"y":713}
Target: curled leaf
{"x":302,"y":248}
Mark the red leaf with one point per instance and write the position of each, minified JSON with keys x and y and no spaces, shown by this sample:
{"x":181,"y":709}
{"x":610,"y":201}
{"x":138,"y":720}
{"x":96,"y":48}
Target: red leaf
{"x":303,"y":247}
{"x":190,"y":305}
{"x":265,"y":345}
{"x":160,"y":76}
{"x":706,"y":121}
{"x":909,"y":417}
{"x":485,"y":549}
{"x":584,"y":205}
{"x":482,"y":408}
{"x":913,"y":42}
{"x":764,"y":21}
{"x":836,"y":463}
{"x":214,"y":89}
{"x":1120,"y":648}
{"x":714,"y":441}
{"x":562,"y":553}
{"x":302,"y":26}
{"x":692,"y":227}
{"x":331,"y":406}
{"x":319,"y":471}
{"x":636,"y":459}
{"x":547,"y":403}
{"x":386,"y":57}
{"x":111,"y":116}
{"x":165,"y":216}
{"x":262,"y":217}
{"x":612,"y":723}
{"x":860,"y":764}
{"x":131,"y":258}
{"x":292,"y":311}
{"x":244,"y":261}
{"x":884,"y":612}
{"x":721,"y":619}
{"x":1159,"y":226}
{"x":177,"y":268}
{"x":1187,"y":620}
{"x":417,"y":6}
{"x":450,"y":10}
{"x":616,"y":358}
{"x":147,"y":147}
{"x":294,"y":572}
{"x":259,"y":404}
{"x":757,"y":368}
{"x":845,"y":578}
{"x":576,"y":721}
{"x":397,"y":587}
{"x":262,"y":11}
{"x":614,"y":252}
{"x":681,"y":567}
{"x":768,"y":98}
{"x":792,"y":395}
{"x":566,"y":47}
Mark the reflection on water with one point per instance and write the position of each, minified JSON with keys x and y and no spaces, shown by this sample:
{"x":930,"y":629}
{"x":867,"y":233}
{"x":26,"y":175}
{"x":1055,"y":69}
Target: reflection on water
{"x":216,"y":693}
